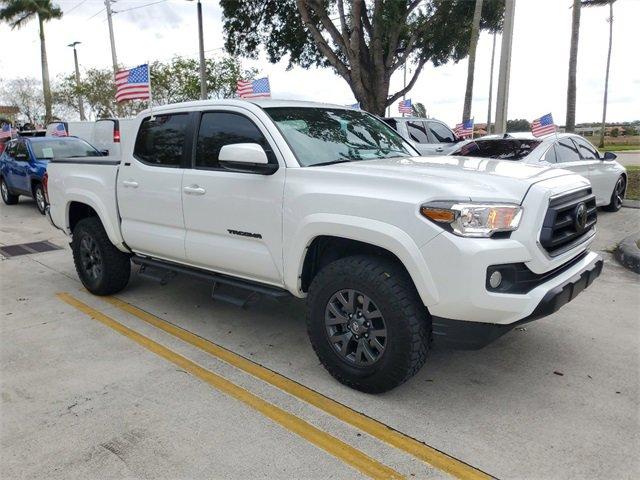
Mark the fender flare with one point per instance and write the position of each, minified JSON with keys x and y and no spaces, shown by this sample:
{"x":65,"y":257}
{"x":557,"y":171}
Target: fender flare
{"x":91,"y":199}
{"x":365,"y":230}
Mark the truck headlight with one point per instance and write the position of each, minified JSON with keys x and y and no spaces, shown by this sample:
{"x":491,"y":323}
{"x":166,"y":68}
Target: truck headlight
{"x":480,"y":220}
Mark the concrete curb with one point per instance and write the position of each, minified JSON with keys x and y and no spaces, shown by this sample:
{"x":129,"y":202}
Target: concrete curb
{"x":631,"y":203}
{"x":628,"y":253}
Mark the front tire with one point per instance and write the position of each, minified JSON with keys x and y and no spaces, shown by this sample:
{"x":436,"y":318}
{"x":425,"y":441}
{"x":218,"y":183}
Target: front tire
{"x":7,"y":197}
{"x":41,"y":200}
{"x":102,"y":268}
{"x":618,"y":195}
{"x":367,"y":324}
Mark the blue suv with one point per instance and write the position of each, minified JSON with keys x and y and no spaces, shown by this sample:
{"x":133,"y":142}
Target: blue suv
{"x":23,"y":165}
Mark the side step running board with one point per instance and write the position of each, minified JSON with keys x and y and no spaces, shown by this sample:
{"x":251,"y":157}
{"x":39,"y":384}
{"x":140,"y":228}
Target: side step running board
{"x":170,"y":269}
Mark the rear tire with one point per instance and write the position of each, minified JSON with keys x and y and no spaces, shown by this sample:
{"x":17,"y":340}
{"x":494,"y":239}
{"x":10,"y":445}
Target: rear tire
{"x":102,"y":268}
{"x":618,"y":195}
{"x":7,"y":197}
{"x":41,"y":200}
{"x":379,"y":293}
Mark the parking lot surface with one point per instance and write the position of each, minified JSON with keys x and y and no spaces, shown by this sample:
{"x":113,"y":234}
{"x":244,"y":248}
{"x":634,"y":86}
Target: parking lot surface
{"x":102,"y":388}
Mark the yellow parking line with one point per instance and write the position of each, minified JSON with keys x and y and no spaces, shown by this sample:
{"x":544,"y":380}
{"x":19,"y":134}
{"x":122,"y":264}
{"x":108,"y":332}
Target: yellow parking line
{"x":376,"y":429}
{"x":319,"y":438}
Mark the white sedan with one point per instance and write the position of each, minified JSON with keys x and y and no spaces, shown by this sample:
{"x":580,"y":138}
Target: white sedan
{"x":564,"y":150}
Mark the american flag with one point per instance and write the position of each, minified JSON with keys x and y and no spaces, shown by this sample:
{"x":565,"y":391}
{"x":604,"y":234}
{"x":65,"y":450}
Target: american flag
{"x":404,"y":106}
{"x":59,"y":131}
{"x":133,"y":84}
{"x":5,"y":131}
{"x":543,"y":126}
{"x":254,"y":88}
{"x":464,"y":129}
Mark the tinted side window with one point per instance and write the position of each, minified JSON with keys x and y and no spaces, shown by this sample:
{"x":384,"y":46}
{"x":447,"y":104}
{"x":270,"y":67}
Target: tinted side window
{"x":441,"y":133}
{"x":418,"y":132}
{"x":218,"y":129}
{"x":550,"y":155}
{"x":587,"y":151}
{"x":391,"y":122}
{"x":21,"y":149}
{"x":161,"y":141}
{"x":11,"y":149}
{"x":567,"y":151}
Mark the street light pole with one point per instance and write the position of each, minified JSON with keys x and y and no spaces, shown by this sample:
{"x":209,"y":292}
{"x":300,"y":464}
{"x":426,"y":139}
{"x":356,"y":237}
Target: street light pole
{"x":80,"y":101}
{"x":505,"y":67}
{"x":203,"y":70}
{"x":493,"y":56}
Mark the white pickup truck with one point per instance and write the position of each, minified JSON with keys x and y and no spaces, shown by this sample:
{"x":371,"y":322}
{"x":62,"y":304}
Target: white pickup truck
{"x":390,"y":249}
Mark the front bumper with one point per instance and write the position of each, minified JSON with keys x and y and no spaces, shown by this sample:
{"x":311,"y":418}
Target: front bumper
{"x":473,"y":335}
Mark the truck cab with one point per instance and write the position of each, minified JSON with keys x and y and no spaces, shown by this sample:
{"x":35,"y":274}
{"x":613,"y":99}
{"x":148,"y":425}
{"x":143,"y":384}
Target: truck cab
{"x":428,"y":135}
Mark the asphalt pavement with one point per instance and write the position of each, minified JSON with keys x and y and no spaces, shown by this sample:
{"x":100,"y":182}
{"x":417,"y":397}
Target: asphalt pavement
{"x":99,"y":388}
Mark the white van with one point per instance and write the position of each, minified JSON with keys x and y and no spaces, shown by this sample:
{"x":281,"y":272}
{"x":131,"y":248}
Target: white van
{"x":83,"y":130}
{"x":107,"y":134}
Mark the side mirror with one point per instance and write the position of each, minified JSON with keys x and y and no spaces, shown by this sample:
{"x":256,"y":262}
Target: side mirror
{"x":105,"y":152}
{"x":609,"y":156}
{"x":246,"y":157}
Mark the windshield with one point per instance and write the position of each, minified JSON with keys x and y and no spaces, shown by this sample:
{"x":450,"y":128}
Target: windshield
{"x":321,"y":136}
{"x":68,"y":147}
{"x":503,"y":149}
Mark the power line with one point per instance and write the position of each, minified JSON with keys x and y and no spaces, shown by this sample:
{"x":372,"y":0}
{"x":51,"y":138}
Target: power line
{"x":96,"y":14}
{"x":140,"y":6}
{"x":73,"y":8}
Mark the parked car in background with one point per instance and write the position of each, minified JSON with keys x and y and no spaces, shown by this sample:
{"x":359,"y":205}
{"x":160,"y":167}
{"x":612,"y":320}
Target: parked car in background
{"x":565,"y":150}
{"x":428,"y":135}
{"x":83,"y":129}
{"x":24,"y":161}
{"x":390,"y":249}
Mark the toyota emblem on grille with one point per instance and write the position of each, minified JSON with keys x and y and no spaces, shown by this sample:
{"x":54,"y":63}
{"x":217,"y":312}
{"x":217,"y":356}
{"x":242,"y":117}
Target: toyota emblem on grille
{"x":580,"y":221}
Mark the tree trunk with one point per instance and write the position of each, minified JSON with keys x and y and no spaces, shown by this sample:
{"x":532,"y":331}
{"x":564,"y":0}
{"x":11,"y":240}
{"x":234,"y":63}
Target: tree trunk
{"x":606,"y":77}
{"x":46,"y":86}
{"x":475,"y":33}
{"x":573,"y":60}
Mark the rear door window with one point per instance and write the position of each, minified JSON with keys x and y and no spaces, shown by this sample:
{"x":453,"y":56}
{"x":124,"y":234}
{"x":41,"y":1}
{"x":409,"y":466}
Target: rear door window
{"x":567,"y":151}
{"x":418,"y":132}
{"x":441,"y":133}
{"x":161,"y":140}
{"x":587,"y":151}
{"x":21,"y":149}
{"x":218,"y":129}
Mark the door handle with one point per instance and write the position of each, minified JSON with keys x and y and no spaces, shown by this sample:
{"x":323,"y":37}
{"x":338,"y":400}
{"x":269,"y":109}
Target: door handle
{"x":194,"y":190}
{"x":130,"y":184}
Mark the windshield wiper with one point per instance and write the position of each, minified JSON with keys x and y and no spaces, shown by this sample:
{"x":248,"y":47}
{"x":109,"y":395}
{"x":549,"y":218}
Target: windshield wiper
{"x":331,"y":162}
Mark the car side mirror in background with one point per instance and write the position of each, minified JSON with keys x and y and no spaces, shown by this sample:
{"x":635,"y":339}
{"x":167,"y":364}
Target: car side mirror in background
{"x":246,"y":157}
{"x":105,"y":153}
{"x":609,"y":156}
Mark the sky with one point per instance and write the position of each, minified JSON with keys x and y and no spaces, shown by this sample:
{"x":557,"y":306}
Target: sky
{"x":150,"y":31}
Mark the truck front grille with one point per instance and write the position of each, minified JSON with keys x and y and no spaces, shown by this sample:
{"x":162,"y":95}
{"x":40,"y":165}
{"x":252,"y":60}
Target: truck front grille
{"x":569,"y":221}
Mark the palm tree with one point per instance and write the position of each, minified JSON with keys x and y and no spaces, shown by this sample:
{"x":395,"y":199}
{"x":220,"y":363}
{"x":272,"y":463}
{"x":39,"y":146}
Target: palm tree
{"x":475,"y":33}
{"x":573,"y":61}
{"x":17,"y":13}
{"x":599,"y":3}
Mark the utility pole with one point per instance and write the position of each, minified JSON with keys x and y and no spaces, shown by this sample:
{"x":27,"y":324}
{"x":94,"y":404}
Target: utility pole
{"x":493,"y":56}
{"x":114,"y":58}
{"x":203,"y":69}
{"x":505,"y":67}
{"x":80,"y":101}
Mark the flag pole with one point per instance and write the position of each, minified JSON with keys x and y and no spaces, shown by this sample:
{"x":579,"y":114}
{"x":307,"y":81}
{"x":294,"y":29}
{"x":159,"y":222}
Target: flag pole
{"x":150,"y":95}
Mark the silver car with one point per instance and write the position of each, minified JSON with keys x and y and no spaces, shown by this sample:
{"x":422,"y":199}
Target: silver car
{"x":428,"y":135}
{"x":564,"y":150}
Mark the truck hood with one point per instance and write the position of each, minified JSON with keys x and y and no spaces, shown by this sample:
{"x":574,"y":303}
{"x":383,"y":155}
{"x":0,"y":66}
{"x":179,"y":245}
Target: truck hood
{"x":456,"y":178}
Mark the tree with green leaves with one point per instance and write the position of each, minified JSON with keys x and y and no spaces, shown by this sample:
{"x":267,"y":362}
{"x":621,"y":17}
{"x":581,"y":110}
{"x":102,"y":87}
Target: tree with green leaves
{"x":419,"y":110}
{"x":518,"y":125}
{"x":365,"y":43}
{"x":26,"y":94}
{"x":17,"y":13}
{"x":177,"y":80}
